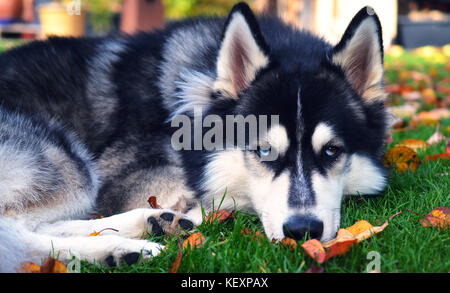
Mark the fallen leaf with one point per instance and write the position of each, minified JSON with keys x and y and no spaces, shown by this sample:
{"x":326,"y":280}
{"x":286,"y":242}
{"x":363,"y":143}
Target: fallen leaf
{"x":345,"y":238}
{"x":53,"y":266}
{"x":315,"y":250}
{"x":399,"y":124}
{"x":218,"y":216}
{"x":414,"y":144}
{"x":359,"y":227}
{"x":435,"y":157}
{"x":437,"y":137}
{"x":153,"y":203}
{"x":403,"y":158}
{"x":370,"y":231}
{"x":429,"y":96}
{"x":99,"y":232}
{"x":196,"y":240}
{"x":342,"y":235}
{"x":29,"y":267}
{"x":256,"y":235}
{"x":438,"y":217}
{"x":412,"y":96}
{"x":50,"y":265}
{"x":289,"y":242}
{"x":176,"y":263}
{"x":392,"y":88}
{"x":340,"y":247}
{"x":405,"y":111}
{"x":431,"y":117}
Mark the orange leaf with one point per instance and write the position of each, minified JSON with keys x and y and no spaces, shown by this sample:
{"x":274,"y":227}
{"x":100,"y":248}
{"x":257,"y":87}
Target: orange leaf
{"x":256,"y":235}
{"x":359,"y":227}
{"x":315,"y":250}
{"x":431,"y":117}
{"x":342,"y":235}
{"x":370,"y":231}
{"x":98,"y":233}
{"x":289,"y":242}
{"x":196,"y":240}
{"x":52,"y":265}
{"x":403,"y":158}
{"x":414,"y":144}
{"x":153,"y":203}
{"x":438,"y":217}
{"x":429,"y":96}
{"x":218,"y":216}
{"x":29,"y":267}
{"x":339,"y":248}
{"x":345,"y":238}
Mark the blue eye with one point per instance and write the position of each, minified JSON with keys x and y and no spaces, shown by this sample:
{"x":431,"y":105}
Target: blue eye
{"x":332,"y":151}
{"x":263,"y":153}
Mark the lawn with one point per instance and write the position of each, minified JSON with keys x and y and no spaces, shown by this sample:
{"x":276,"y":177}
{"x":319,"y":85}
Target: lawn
{"x":404,"y":246}
{"x":420,"y":79}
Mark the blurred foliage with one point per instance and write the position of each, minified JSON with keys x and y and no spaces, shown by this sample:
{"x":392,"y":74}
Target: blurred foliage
{"x":188,"y":8}
{"x":101,"y":13}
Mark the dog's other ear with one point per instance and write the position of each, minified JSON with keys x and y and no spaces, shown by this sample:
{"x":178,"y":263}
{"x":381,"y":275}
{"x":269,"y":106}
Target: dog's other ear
{"x":242,"y":54}
{"x":360,"y":55}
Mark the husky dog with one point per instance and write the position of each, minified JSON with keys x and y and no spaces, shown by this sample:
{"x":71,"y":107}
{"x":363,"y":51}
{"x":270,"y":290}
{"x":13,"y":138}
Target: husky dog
{"x":86,"y":127}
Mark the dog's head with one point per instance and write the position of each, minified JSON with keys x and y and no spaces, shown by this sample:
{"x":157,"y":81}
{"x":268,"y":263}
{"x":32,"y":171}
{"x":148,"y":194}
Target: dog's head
{"x":326,"y":123}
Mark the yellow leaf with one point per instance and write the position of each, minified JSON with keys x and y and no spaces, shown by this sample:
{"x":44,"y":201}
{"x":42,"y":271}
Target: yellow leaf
{"x":359,"y":227}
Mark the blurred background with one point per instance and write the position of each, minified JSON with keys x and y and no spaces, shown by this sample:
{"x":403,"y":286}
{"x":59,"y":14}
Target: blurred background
{"x":416,"y":36}
{"x":409,"y":23}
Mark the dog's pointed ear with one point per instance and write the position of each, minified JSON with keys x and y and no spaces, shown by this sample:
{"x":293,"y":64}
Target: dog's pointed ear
{"x":243,"y":52}
{"x":360,"y":55}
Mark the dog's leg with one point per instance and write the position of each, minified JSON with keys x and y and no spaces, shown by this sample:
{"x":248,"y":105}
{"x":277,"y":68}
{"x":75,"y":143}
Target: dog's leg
{"x":18,"y":244}
{"x":109,"y":249}
{"x":133,"y":224}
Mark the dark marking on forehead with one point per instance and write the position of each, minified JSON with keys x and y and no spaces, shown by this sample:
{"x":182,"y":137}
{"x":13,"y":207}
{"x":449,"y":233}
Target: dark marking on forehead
{"x":300,"y":124}
{"x":300,"y":193}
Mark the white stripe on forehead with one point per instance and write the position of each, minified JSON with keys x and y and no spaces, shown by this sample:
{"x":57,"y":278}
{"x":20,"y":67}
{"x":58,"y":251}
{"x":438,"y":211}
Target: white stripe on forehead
{"x":321,"y":136}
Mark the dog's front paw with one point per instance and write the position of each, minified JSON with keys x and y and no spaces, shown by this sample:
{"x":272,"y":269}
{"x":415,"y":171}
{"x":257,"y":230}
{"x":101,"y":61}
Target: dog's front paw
{"x":169,"y":222}
{"x":132,"y":251}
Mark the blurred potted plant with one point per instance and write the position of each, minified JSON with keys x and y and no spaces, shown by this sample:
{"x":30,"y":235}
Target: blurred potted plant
{"x":63,"y":18}
{"x":10,"y":10}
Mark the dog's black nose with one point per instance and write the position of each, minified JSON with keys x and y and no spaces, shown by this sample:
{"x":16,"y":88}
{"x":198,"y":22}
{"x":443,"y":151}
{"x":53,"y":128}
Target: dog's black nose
{"x":297,"y":227}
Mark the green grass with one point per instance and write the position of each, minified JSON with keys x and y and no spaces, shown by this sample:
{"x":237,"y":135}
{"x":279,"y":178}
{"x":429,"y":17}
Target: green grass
{"x":405,"y":245}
